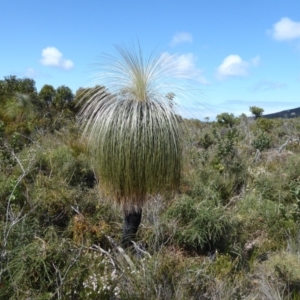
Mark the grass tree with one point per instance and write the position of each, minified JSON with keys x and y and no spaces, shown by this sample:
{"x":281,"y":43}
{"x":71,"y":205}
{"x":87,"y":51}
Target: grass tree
{"x":20,"y":107}
{"x":133,"y":131}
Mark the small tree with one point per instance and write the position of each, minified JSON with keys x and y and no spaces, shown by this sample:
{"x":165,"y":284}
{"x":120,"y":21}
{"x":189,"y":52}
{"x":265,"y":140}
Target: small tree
{"x":47,"y":94}
{"x":256,"y":111}
{"x":11,"y":85}
{"x":226,"y":119}
{"x":63,"y":97}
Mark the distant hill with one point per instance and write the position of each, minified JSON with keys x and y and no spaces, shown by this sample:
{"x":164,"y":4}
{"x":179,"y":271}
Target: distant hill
{"x":290,"y":113}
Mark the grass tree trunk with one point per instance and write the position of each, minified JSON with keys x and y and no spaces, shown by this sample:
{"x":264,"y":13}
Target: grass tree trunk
{"x":131,"y":224}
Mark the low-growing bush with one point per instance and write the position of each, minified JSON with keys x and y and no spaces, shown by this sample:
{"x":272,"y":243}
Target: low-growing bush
{"x":262,"y":142}
{"x":201,"y":225}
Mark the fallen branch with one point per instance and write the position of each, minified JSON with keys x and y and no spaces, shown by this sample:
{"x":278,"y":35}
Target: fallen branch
{"x":284,"y":145}
{"x":257,"y":155}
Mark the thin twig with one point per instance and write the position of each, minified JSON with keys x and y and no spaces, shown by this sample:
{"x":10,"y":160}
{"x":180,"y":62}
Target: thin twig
{"x":96,"y":247}
{"x":15,"y":157}
{"x":140,"y":250}
{"x":10,"y":218}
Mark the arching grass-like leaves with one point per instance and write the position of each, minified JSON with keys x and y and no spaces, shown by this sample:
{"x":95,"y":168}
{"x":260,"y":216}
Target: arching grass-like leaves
{"x":20,"y":107}
{"x":132,"y":128}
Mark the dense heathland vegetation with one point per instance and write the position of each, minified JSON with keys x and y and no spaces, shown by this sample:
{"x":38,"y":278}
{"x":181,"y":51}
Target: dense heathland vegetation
{"x":230,"y":231}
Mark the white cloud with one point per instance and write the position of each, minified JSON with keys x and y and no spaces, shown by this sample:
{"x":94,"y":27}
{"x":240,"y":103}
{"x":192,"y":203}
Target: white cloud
{"x":232,"y":66}
{"x":185,"y":66}
{"x":51,"y":56}
{"x":266,"y":85}
{"x":31,"y":73}
{"x":285,"y":29}
{"x":182,"y":37}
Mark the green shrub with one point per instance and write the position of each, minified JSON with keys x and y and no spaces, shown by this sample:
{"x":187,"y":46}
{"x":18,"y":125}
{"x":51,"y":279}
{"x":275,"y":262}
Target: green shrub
{"x":265,"y":186}
{"x":262,"y":142}
{"x":264,"y":125}
{"x":201,"y":225}
{"x":262,"y":216}
{"x":292,"y":168}
{"x":285,"y":266}
{"x":226,"y":145}
{"x":206,"y":141}
{"x":227,"y":119}
{"x":36,"y":269}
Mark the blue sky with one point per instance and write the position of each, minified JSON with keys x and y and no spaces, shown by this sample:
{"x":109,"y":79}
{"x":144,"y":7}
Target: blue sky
{"x":239,"y":52}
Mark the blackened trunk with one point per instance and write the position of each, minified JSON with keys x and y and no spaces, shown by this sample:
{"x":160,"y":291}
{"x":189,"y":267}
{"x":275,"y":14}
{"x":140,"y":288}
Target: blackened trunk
{"x":131,"y":224}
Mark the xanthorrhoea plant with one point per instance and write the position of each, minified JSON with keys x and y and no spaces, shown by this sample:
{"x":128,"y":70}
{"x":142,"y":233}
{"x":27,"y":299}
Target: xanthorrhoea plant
{"x":20,"y":107}
{"x":133,"y":131}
